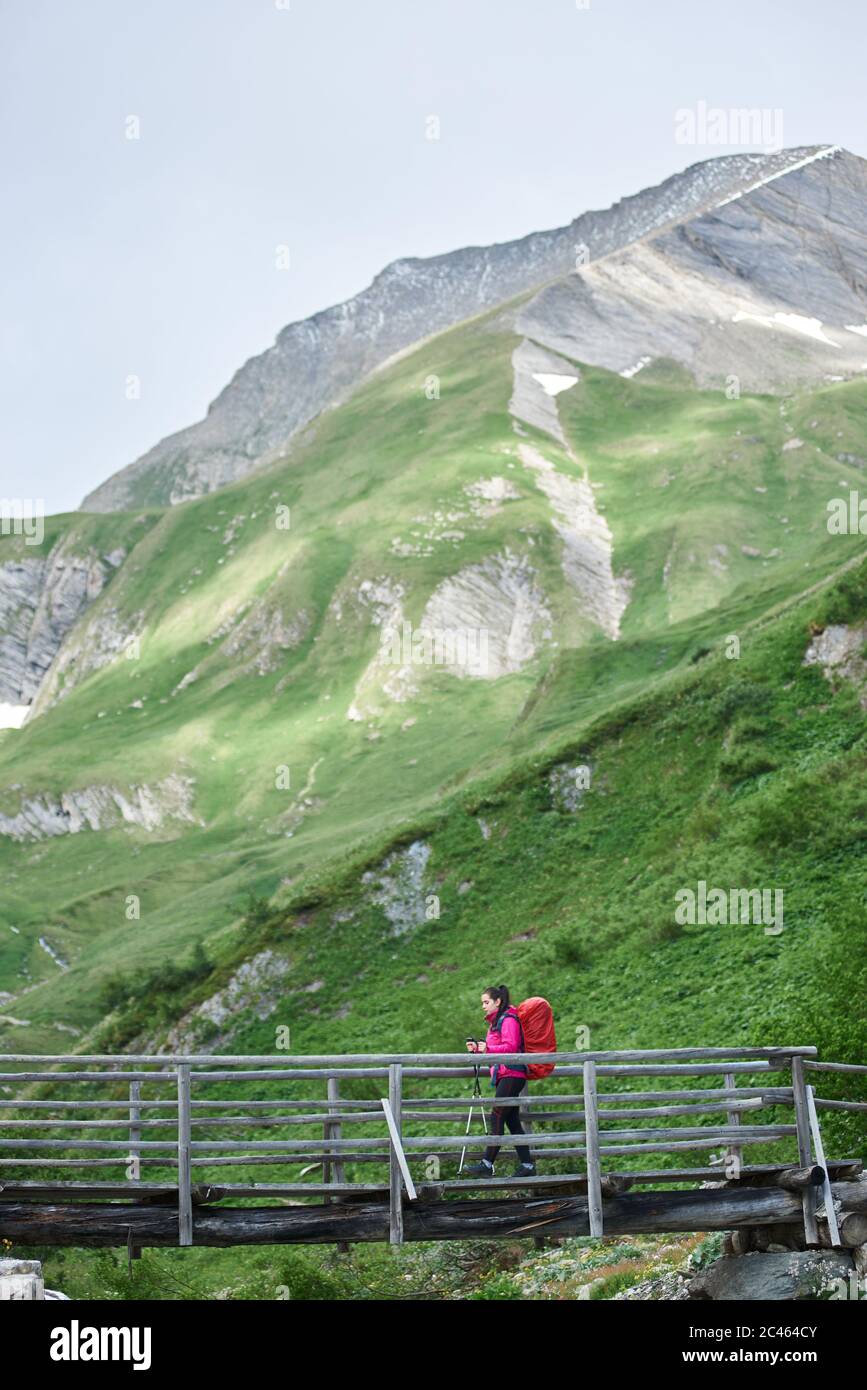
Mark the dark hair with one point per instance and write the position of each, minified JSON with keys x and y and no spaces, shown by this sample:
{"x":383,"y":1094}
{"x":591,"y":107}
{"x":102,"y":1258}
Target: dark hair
{"x":501,"y":994}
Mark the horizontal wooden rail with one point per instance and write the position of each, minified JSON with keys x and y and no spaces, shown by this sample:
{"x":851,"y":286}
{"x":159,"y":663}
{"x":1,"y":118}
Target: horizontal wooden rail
{"x":836,"y":1066}
{"x":437,"y":1118}
{"x":406,"y":1058}
{"x":853,"y":1105}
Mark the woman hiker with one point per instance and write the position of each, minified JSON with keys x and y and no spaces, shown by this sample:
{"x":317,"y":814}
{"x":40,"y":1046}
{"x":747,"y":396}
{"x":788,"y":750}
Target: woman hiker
{"x":504,"y":1035}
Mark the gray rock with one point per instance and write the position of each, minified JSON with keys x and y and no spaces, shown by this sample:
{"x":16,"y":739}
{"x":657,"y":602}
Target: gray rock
{"x":21,"y":1280}
{"x":795,"y":1275}
{"x":768,"y":287}
{"x":398,"y":886}
{"x":100,"y":808}
{"x":839,"y":649}
{"x":41,"y":599}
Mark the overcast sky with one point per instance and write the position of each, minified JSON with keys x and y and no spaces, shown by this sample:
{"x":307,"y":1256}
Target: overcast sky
{"x":304,"y":123}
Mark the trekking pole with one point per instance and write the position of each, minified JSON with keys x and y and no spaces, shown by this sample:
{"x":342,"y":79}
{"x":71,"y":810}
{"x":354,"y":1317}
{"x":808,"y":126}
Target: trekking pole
{"x":477,"y":1091}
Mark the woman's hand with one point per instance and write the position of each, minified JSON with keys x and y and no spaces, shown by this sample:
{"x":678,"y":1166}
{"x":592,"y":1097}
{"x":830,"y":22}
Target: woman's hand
{"x":475,"y":1047}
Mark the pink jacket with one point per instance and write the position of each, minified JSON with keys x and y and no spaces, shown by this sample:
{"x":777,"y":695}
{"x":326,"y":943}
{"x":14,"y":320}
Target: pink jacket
{"x":508,"y":1039}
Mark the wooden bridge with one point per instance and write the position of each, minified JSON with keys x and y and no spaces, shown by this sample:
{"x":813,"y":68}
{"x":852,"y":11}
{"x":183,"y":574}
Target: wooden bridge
{"x":136,"y":1150}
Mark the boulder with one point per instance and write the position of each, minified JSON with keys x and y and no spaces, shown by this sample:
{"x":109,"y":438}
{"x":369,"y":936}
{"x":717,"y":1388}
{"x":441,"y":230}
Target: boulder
{"x":779,"y":1277}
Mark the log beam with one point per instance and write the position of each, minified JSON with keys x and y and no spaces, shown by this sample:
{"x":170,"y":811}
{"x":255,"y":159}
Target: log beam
{"x":708,"y":1209}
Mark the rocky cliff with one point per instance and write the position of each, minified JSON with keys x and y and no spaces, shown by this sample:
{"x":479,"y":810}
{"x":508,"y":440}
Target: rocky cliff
{"x":769,"y":287}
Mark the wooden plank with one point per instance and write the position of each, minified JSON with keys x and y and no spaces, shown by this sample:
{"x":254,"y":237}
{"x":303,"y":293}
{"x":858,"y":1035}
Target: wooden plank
{"x":594,"y":1189}
{"x":438,"y":1071}
{"x":77,"y":1191}
{"x":49,"y":1123}
{"x":835,"y":1066}
{"x":84,"y":1104}
{"x":335,"y":1148}
{"x":394,"y":1058}
{"x":64,"y":1076}
{"x":185,"y":1200}
{"x":366,"y":1118}
{"x":805,"y":1153}
{"x":90,"y":1162}
{"x":751,"y":1176}
{"x":397,"y":1149}
{"x":830,"y":1214}
{"x":768,"y":1095}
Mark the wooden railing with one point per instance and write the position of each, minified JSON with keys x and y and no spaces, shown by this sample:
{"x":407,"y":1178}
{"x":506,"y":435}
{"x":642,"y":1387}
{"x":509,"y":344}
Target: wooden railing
{"x":175,"y":1116}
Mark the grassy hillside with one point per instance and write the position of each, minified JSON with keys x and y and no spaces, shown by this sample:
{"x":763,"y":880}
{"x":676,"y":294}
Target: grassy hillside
{"x":744,"y":773}
{"x":253,"y":641}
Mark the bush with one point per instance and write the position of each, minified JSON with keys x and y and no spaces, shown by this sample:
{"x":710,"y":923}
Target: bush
{"x":119,"y":991}
{"x":742,"y":764}
{"x":498,"y":1286}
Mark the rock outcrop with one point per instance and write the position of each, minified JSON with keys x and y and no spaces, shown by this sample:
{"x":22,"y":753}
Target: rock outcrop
{"x":41,"y":600}
{"x":587,"y":543}
{"x":839,"y":650}
{"x":43,"y":816}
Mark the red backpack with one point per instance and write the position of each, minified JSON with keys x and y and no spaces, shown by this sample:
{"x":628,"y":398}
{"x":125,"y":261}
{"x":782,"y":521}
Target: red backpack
{"x":536,"y":1022}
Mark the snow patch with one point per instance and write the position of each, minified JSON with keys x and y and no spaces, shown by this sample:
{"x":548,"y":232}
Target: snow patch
{"x":13,"y":716}
{"x":552,"y":383}
{"x":798,"y":323}
{"x":536,"y":371}
{"x":631,"y":371}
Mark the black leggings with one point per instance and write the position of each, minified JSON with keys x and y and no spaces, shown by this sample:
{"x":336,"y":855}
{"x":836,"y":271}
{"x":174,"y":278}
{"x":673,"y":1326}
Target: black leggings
{"x":508,"y":1086}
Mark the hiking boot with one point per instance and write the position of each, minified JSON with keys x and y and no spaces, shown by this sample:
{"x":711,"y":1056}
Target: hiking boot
{"x":484,"y":1169}
{"x":525,"y":1170}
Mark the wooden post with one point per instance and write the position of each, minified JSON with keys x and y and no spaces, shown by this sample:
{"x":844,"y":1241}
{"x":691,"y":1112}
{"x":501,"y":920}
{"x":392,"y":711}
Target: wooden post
{"x":134,"y":1172}
{"x":334,"y":1171}
{"x":185,"y":1196}
{"x":805,"y":1153}
{"x":395,"y":1193}
{"x":830,"y":1214}
{"x":591,"y":1126}
{"x":734,"y":1152}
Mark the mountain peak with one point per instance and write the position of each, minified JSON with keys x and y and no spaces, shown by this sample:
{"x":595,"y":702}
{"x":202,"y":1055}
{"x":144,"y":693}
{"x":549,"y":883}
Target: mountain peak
{"x":317,"y":362}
